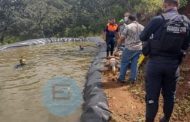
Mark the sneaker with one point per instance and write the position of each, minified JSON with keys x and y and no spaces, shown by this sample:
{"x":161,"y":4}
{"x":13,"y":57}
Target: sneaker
{"x":131,"y":81}
{"x":164,"y":120}
{"x":149,"y":120}
{"x":121,"y":81}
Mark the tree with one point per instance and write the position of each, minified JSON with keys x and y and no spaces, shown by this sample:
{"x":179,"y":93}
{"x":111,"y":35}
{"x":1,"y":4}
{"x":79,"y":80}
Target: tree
{"x":9,"y":9}
{"x":25,"y":19}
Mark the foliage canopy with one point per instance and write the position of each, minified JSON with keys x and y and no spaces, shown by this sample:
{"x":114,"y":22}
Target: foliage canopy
{"x":24,"y":19}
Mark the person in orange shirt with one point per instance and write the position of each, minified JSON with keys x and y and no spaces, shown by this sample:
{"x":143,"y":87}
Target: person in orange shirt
{"x":111,"y":32}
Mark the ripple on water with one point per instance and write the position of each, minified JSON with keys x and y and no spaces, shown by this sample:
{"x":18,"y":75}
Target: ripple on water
{"x":20,"y":89}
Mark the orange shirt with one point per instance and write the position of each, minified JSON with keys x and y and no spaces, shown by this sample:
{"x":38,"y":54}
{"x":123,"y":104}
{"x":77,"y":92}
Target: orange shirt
{"x":112,"y":27}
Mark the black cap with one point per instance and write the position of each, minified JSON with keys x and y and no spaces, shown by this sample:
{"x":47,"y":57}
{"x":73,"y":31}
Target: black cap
{"x":174,"y":1}
{"x":132,"y":17}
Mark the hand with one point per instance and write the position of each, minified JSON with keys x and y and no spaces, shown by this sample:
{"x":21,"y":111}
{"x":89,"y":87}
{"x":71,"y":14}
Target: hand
{"x":182,"y":56}
{"x":115,"y":51}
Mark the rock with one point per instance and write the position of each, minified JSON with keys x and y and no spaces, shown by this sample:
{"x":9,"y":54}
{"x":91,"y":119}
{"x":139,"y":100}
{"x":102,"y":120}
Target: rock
{"x":187,"y":69}
{"x":181,"y":78}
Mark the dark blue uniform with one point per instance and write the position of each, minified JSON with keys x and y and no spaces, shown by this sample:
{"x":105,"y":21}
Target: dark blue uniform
{"x":110,"y":38}
{"x":162,"y":71}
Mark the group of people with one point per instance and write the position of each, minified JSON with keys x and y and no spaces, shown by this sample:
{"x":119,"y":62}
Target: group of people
{"x":125,"y":34}
{"x":164,"y":40}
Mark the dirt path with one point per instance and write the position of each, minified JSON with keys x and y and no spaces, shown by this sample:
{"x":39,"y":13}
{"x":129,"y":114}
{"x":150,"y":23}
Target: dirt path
{"x":127,"y":101}
{"x":123,"y":104}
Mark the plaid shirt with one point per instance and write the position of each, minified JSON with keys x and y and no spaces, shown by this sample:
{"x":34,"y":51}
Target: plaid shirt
{"x":131,"y":34}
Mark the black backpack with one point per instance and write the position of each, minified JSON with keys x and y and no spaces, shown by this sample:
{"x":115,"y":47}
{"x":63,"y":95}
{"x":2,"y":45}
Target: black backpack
{"x":174,"y":32}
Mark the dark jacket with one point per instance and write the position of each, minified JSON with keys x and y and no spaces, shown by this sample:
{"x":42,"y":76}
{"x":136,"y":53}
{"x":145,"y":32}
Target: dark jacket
{"x":154,"y":28}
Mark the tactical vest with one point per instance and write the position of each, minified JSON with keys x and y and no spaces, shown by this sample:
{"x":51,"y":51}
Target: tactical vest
{"x":173,"y":33}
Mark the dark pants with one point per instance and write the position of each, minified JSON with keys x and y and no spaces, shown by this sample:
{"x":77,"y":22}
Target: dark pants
{"x":161,"y":76}
{"x":110,"y":46}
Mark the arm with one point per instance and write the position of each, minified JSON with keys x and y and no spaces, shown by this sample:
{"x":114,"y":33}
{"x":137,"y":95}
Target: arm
{"x":186,"y":43}
{"x":122,"y":37}
{"x":151,"y":28}
{"x":117,"y":33}
{"x":105,"y":32}
{"x":120,"y":40}
{"x":185,"y":47}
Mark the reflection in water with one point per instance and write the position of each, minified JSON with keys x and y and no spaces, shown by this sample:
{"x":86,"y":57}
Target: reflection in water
{"x":20,"y":89}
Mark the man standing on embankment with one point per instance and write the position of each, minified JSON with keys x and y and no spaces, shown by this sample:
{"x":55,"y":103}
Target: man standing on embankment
{"x":111,"y":32}
{"x":133,"y":47}
{"x":170,"y":40}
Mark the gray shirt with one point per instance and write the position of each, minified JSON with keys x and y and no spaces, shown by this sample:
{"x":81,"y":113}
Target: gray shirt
{"x":131,"y":34}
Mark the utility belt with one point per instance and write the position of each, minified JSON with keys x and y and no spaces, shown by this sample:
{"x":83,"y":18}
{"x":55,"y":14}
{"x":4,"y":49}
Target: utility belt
{"x":163,"y":58}
{"x":171,"y":60}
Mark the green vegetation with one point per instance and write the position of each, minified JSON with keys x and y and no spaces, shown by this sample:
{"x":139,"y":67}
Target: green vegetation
{"x":183,"y":3}
{"x":25,"y":19}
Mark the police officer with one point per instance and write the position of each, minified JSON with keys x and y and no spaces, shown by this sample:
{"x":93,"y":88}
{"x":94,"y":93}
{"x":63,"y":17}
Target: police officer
{"x":169,"y":33}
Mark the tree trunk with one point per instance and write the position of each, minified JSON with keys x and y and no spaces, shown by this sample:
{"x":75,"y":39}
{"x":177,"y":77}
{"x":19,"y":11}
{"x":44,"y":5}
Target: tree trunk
{"x":2,"y":38}
{"x":3,"y":35}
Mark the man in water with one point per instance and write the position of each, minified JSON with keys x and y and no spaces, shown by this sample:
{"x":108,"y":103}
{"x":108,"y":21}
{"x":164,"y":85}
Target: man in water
{"x":22,"y":63}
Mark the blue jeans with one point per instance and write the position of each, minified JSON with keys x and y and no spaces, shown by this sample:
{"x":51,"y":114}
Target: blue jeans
{"x":129,"y":57}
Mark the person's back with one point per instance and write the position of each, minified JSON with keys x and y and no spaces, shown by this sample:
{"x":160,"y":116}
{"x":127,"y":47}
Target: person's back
{"x":132,"y":32}
{"x":166,"y":42}
{"x":132,"y":50}
{"x":165,"y":50}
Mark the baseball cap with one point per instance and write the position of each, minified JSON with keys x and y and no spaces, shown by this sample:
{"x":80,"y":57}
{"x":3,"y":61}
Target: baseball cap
{"x":121,"y":20}
{"x":175,"y":1}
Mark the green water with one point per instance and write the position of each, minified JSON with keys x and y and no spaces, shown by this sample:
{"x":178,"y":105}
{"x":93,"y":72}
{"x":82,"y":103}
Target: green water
{"x":21,"y":88}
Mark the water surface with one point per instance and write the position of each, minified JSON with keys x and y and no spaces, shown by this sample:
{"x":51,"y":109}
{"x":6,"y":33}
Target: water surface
{"x":21,"y":88}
